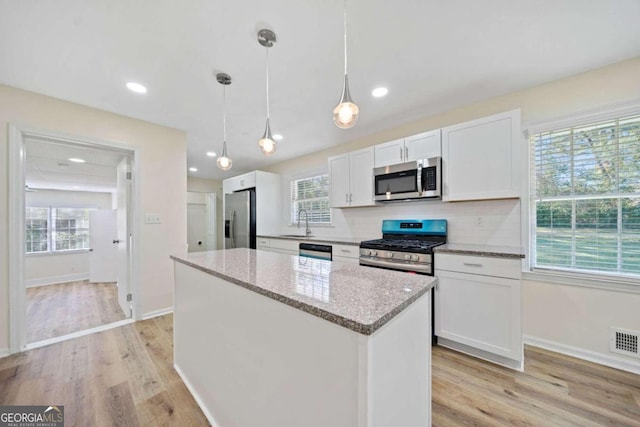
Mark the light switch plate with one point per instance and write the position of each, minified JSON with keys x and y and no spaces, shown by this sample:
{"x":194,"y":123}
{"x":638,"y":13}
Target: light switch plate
{"x":152,"y":219}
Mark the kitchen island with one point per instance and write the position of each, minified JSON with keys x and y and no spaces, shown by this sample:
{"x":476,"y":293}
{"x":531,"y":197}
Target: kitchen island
{"x":266,"y":339}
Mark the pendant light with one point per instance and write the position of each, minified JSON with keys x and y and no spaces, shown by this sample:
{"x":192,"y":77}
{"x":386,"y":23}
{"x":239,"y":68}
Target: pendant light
{"x":345,"y":115}
{"x":267,"y":144}
{"x":224,"y":162}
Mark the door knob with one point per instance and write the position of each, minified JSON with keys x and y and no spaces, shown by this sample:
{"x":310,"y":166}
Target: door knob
{"x":115,"y":242}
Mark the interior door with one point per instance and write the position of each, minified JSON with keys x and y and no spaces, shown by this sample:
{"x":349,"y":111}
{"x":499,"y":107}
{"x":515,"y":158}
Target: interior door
{"x":123,"y":240}
{"x":196,"y":227}
{"x":103,"y":258}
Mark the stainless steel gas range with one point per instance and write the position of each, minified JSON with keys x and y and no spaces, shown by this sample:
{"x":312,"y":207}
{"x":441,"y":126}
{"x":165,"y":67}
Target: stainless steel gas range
{"x":406,"y":245}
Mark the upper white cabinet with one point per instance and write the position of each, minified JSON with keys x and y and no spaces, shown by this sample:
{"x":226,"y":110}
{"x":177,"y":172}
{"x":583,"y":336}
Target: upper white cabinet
{"x":481,"y":158}
{"x":240,"y":182}
{"x":351,"y":179}
{"x":422,"y":146}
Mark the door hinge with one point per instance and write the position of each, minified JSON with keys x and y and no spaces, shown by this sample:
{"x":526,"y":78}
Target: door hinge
{"x":129,"y":175}
{"x":129,"y":297}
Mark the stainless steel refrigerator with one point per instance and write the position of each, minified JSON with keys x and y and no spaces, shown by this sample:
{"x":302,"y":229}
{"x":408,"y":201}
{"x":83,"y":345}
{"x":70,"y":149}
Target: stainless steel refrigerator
{"x":240,"y":219}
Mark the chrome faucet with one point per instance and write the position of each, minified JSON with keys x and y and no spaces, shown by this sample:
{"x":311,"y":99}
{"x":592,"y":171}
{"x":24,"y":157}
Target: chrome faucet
{"x":307,"y":231}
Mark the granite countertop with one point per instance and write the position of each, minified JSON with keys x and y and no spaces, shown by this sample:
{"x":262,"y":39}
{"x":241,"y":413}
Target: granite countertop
{"x":481,"y":250}
{"x":323,"y":239}
{"x":356,"y":297}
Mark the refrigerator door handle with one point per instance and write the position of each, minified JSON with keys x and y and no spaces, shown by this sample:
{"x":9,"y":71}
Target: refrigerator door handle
{"x":233,"y":230}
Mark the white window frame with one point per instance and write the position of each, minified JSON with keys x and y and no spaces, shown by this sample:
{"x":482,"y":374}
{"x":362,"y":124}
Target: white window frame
{"x":598,"y":280}
{"x":293,"y":219}
{"x":51,"y":230}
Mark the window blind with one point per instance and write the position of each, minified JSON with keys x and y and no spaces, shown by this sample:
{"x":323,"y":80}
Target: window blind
{"x":585,"y":197}
{"x":312,"y":195}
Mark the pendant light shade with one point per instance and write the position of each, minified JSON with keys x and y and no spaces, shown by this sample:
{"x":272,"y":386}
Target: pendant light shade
{"x":224,"y":162}
{"x":346,"y":113}
{"x":267,"y":144}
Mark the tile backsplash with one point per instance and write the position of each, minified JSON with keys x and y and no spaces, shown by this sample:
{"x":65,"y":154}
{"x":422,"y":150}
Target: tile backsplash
{"x":490,"y":222}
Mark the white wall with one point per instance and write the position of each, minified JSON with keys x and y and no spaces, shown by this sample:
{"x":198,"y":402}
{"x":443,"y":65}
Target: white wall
{"x":560,"y":314}
{"x":46,"y":269}
{"x":68,"y":199}
{"x":162,"y":180}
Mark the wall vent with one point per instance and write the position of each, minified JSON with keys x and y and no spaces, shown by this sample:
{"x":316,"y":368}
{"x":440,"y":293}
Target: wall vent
{"x":624,"y":342}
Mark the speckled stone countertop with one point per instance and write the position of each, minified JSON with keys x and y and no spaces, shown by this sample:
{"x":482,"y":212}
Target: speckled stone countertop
{"x":356,"y":297}
{"x":481,"y":250}
{"x":324,"y":239}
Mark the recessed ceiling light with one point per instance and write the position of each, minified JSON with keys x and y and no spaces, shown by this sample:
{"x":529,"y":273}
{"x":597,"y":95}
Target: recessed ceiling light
{"x":77,"y":160}
{"x":277,"y":137}
{"x":136,"y":87}
{"x":379,"y":92}
{"x":193,"y":169}
{"x":211,"y":154}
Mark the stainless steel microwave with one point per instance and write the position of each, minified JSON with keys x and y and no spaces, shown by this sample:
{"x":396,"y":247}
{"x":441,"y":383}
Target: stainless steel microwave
{"x":411,"y":180}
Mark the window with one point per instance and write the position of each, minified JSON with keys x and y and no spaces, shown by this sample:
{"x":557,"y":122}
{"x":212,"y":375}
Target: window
{"x":312,"y":195}
{"x":56,"y":229}
{"x":37,"y":230}
{"x":585,"y":197}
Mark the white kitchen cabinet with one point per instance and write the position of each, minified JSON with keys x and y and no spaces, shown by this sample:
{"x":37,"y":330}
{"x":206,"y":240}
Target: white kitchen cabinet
{"x":481,"y":159}
{"x":351,"y":179}
{"x":240,"y":182}
{"x":478,"y":303}
{"x":346,"y":253}
{"x":416,"y":147}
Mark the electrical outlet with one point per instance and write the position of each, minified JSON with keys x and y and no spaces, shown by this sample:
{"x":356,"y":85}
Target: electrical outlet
{"x":152,"y":219}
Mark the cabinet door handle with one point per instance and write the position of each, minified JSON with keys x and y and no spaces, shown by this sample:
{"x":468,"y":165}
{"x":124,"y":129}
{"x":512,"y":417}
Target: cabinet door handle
{"x":346,"y":197}
{"x":345,"y":250}
{"x":406,"y":154}
{"x":401,"y":159}
{"x":472,"y":264}
{"x":350,"y":197}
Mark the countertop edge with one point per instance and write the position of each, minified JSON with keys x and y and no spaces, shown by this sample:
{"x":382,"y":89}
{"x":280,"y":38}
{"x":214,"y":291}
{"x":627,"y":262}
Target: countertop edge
{"x":364,"y":329}
{"x":482,"y":253}
{"x":310,"y":239}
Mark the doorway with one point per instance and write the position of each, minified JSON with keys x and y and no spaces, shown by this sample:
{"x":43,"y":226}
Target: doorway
{"x":71,"y":262}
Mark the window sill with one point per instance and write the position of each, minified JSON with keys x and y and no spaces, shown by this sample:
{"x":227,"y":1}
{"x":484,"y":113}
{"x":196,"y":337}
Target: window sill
{"x":51,"y":253}
{"x":595,"y":281}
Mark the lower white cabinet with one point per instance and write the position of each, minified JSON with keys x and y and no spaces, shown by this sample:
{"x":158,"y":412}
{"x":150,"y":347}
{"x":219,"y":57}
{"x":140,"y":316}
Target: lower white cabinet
{"x":346,"y":253}
{"x":478,"y":303}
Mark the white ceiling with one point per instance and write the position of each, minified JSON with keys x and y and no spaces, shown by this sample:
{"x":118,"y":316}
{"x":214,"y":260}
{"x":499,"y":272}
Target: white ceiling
{"x":48,"y":167}
{"x":432,"y":55}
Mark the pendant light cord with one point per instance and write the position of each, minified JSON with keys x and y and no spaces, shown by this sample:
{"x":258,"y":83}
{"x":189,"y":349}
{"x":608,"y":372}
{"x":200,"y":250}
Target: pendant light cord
{"x":224,"y":114}
{"x":267,"y":73}
{"x":345,"y":37}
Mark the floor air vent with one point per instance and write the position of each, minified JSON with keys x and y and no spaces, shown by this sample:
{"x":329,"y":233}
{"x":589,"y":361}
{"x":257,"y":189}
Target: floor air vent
{"x":624,"y":342}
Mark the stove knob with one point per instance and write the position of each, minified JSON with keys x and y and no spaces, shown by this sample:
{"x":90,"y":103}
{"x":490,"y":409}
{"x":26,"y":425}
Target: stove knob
{"x":415,"y":257}
{"x":408,"y":257}
{"x":372,"y":252}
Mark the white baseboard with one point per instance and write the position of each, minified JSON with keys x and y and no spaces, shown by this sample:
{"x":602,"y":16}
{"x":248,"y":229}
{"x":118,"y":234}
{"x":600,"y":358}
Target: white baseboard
{"x":196,"y":396}
{"x":580,"y":353}
{"x":54,"y":280}
{"x":78,"y":334}
{"x":517,"y":365}
{"x":4,"y":352}
{"x":156,"y":313}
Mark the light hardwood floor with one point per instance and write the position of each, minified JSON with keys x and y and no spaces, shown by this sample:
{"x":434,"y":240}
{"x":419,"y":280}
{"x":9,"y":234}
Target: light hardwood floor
{"x":56,"y":310}
{"x":125,"y":377}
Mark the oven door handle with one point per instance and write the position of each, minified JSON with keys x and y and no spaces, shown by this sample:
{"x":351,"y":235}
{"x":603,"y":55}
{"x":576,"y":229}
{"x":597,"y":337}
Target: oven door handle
{"x":422,"y":268}
{"x":419,"y":179}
